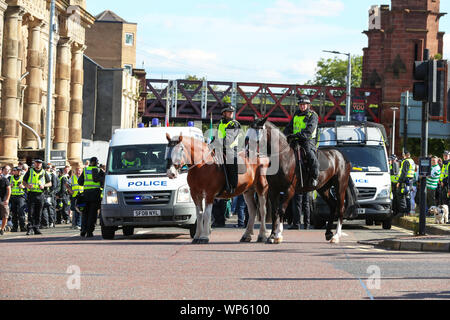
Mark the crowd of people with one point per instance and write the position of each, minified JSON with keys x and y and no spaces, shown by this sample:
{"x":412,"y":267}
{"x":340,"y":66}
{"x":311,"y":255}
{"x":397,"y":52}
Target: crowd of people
{"x":42,"y":196}
{"x":406,"y":183}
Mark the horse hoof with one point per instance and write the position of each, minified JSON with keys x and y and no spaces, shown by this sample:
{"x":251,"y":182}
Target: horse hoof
{"x":278,"y":240}
{"x":328,"y":236}
{"x":246,"y":239}
{"x":195,"y":241}
{"x":203,"y":241}
{"x":262,"y":239}
{"x":334,"y":240}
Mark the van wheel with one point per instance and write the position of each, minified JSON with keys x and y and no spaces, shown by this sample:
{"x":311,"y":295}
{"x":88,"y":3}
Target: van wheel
{"x":108,"y":232}
{"x":128,"y":231}
{"x":387,"y":224}
{"x":193,"y":229}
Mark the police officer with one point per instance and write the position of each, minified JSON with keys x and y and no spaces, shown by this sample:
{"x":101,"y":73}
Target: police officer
{"x":130,"y":160}
{"x":17,"y":200}
{"x":302,"y":131}
{"x":35,"y":180}
{"x":92,"y":180}
{"x":404,"y":184}
{"x":394,"y":173}
{"x":75,"y":191}
{"x":228,"y":137}
{"x":443,"y":179}
{"x":63,"y":197}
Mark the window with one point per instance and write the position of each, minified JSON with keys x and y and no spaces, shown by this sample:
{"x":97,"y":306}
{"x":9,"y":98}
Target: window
{"x":129,"y":39}
{"x":128,"y":68}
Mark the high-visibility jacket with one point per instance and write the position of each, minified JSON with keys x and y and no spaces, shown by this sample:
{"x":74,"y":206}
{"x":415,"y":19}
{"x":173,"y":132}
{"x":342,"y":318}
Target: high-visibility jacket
{"x":411,"y":170}
{"x":444,"y":171}
{"x":222,"y":130}
{"x":76,"y":188}
{"x":394,"y":177}
{"x":15,"y":189}
{"x":300,"y":124}
{"x":131,"y":164}
{"x":36,"y":179}
{"x":89,"y":182}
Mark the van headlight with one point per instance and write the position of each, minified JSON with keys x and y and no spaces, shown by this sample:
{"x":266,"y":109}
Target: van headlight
{"x":110,"y":196}
{"x":384,"y":193}
{"x":184,"y":194}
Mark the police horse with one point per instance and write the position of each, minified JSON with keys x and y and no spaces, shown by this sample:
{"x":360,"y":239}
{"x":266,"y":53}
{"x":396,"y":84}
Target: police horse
{"x":288,"y":180}
{"x":207,"y":180}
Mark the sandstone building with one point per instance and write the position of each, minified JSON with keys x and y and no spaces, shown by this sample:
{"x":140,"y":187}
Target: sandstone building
{"x":24,"y":34}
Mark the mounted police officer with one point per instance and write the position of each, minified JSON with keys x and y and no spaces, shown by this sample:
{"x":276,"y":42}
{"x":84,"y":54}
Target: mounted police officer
{"x":36,"y":180}
{"x":92,"y":181}
{"x":404,"y":184}
{"x":17,"y":200}
{"x":302,"y":131}
{"x":228,"y":136}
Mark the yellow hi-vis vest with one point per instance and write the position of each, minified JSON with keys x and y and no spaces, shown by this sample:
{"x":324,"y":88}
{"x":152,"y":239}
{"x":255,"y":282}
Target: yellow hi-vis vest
{"x":299,"y":125}
{"x":394,"y":177}
{"x":89,"y":180}
{"x":444,"y":172}
{"x":222,"y":132}
{"x":15,"y":189}
{"x":35,"y":179}
{"x":412,"y":168}
{"x":76,"y":188}
{"x":132,"y":164}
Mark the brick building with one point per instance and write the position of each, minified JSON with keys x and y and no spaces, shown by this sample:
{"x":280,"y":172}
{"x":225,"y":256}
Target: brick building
{"x":397,"y":37}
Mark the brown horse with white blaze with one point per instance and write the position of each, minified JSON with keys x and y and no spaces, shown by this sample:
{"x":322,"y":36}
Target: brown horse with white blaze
{"x":206,"y":181}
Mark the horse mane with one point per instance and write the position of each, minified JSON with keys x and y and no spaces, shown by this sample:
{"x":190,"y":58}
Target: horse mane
{"x":282,"y":138}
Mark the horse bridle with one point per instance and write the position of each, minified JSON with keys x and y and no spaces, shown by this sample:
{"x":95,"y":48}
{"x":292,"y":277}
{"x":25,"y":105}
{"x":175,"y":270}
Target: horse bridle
{"x":182,"y":148}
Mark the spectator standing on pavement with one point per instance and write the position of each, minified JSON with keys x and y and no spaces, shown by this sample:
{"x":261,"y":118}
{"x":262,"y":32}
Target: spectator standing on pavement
{"x":239,"y":208}
{"x":36,"y":180}
{"x":92,"y":181}
{"x":17,"y":201}
{"x":62,"y":194}
{"x":5,"y":194}
{"x":6,"y":170}
{"x":48,"y":219}
{"x":432,"y":182}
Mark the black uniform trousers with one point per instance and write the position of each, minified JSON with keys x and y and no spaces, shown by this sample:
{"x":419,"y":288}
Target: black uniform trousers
{"x":300,"y":203}
{"x":49,"y":210}
{"x":63,"y":208}
{"x":91,"y":198}
{"x":231,"y":166}
{"x":35,"y":206}
{"x":18,"y":205}
{"x":310,"y":151}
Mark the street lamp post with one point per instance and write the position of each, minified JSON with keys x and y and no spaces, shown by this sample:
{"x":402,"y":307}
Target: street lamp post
{"x":393,"y":129}
{"x":349,"y":82}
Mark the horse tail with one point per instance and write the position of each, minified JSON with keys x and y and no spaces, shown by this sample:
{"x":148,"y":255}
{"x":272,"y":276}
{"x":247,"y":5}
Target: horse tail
{"x":351,"y":198}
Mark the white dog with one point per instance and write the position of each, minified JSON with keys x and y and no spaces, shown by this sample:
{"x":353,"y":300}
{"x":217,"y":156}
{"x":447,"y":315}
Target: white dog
{"x":440,"y":214}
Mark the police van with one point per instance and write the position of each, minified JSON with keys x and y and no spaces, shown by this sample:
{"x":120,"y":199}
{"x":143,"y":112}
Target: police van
{"x":137,"y":193}
{"x":364,"y":145}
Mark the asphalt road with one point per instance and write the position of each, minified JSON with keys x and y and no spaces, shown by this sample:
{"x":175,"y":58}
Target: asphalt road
{"x":163,"y":264}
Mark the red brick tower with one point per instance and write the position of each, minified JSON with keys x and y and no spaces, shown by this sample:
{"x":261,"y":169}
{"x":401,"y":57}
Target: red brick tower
{"x":398,"y":37}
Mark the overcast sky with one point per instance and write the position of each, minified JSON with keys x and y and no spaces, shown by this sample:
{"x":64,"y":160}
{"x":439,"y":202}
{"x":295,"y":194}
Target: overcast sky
{"x":278,"y":41}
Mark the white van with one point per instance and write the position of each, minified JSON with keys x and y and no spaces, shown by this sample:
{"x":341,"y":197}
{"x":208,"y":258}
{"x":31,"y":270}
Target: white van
{"x":364,"y":145}
{"x":143,"y":196}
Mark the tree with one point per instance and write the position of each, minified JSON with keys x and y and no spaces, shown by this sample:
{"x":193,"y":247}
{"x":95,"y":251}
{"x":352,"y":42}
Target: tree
{"x":333,"y":72}
{"x":192,"y":87}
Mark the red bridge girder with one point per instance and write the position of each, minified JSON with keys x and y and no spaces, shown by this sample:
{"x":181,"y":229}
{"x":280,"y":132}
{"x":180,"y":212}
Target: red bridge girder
{"x":199,"y":100}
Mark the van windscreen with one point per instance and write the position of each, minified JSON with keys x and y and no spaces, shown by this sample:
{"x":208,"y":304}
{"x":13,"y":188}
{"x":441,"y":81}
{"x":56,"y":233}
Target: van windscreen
{"x":366,"y":158}
{"x":137,"y":159}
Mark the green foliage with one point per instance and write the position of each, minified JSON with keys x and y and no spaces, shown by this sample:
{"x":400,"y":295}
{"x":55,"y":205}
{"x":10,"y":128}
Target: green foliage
{"x":333,"y":72}
{"x":436,"y":147}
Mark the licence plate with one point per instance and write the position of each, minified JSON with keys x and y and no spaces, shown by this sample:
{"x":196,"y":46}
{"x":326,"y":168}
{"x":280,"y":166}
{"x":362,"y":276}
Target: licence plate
{"x":361,"y":210}
{"x":146,"y":213}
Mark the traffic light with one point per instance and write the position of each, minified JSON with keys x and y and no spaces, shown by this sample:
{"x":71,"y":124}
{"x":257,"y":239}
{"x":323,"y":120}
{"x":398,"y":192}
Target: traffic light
{"x":425,"y":74}
{"x":437,"y":108}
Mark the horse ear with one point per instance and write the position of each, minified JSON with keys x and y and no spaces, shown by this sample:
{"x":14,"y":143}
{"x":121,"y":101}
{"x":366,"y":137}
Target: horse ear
{"x":168,"y":137}
{"x":181,"y":137}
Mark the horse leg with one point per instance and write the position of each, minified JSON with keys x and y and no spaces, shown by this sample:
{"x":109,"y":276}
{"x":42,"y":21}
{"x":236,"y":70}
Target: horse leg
{"x":328,"y":199}
{"x":251,"y":205}
{"x":341,"y":190}
{"x":262,"y":237}
{"x":200,"y":216}
{"x":272,"y":205}
{"x":204,"y":236}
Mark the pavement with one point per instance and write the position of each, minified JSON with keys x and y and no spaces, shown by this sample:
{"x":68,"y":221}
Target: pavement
{"x":436,"y":238}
